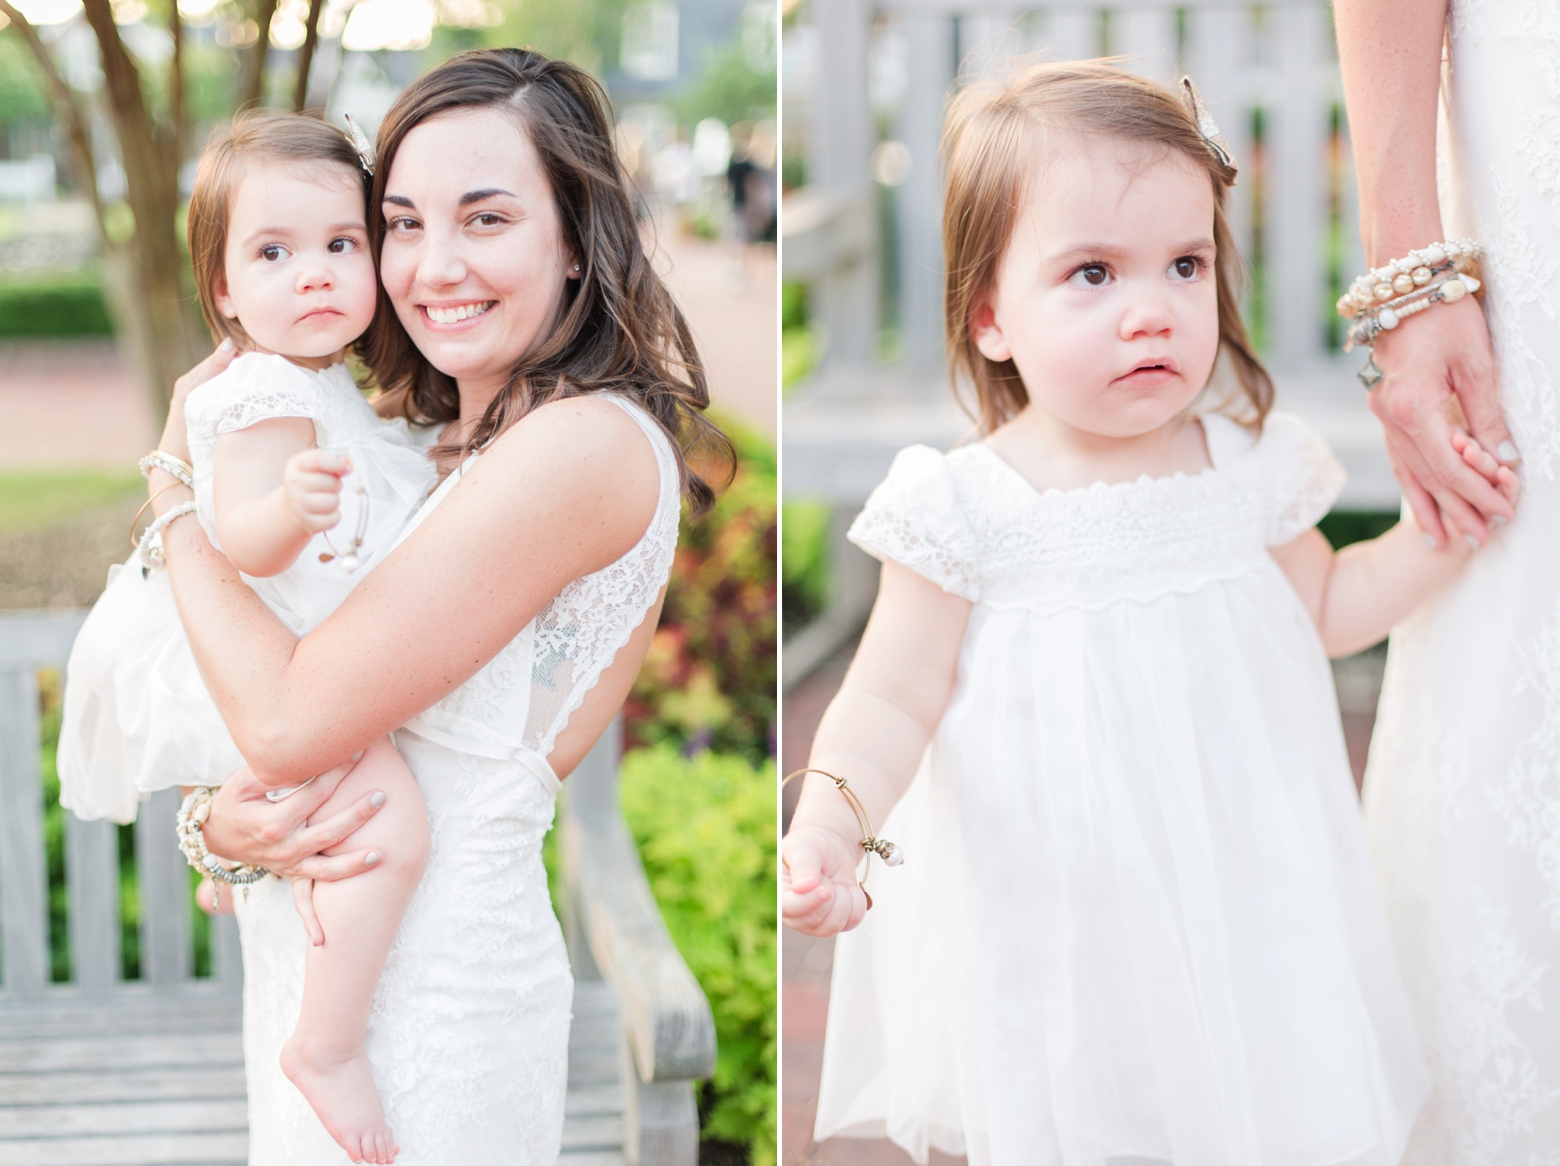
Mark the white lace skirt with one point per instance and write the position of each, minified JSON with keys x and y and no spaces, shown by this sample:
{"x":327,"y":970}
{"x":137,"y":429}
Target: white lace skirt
{"x":470,"y":1028}
{"x":1136,"y":925}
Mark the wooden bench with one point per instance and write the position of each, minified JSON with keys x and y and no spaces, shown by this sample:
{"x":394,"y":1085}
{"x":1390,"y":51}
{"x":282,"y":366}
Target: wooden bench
{"x":100,"y":1071}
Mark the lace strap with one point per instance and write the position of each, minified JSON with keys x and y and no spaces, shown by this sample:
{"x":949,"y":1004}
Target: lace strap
{"x":1303,"y":478}
{"x":914,"y":518}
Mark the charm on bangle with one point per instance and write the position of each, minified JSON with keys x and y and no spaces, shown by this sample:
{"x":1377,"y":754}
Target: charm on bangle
{"x":1370,"y":376}
{"x":882,"y":847}
{"x":187,"y":823}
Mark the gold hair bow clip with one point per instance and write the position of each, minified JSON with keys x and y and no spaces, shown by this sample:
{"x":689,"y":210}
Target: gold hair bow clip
{"x":1207,"y":126}
{"x":360,"y":143}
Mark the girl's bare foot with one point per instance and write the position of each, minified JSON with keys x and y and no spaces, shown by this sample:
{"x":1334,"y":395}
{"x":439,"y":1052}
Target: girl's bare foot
{"x":342,"y":1094}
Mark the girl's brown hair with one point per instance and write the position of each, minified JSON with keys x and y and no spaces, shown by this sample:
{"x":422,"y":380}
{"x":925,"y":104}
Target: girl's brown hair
{"x":995,"y":132}
{"x":256,"y":135}
{"x":619,"y":331}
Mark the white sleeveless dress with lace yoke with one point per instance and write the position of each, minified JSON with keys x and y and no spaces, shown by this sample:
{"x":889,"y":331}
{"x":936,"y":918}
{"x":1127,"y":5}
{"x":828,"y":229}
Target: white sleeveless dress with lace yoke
{"x":1136,"y":925}
{"x":469,"y":1033}
{"x":1462,"y":792}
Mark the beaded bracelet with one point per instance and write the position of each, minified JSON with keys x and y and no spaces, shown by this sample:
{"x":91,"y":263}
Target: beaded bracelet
{"x":150,"y":549}
{"x":187,"y":823}
{"x":1390,"y":314}
{"x":890,"y":854}
{"x":1402,"y":276}
{"x":169,"y":464}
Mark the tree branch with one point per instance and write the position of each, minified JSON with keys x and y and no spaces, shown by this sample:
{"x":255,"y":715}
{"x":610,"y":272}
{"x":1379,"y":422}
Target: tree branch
{"x":67,"y":109}
{"x":176,"y":82}
{"x":311,"y":36}
{"x":254,"y":91}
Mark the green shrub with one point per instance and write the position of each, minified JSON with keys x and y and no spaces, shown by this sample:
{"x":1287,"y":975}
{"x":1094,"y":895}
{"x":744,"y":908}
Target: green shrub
{"x":706,"y":831}
{"x":804,"y":562}
{"x":68,"y":304}
{"x":709,"y":678}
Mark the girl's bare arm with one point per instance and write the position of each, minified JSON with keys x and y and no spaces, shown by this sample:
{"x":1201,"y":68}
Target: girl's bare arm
{"x":873,"y":735}
{"x":1359,"y":594}
{"x":261,"y":533}
{"x":564,"y":492}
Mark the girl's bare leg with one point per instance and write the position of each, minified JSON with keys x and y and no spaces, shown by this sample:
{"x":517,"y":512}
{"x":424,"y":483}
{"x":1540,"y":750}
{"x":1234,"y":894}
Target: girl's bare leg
{"x":325,"y":1057}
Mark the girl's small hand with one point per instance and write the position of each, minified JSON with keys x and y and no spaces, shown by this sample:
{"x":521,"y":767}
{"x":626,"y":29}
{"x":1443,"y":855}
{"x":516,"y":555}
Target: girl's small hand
{"x":311,"y":485}
{"x":1479,"y":459}
{"x":207,"y":899}
{"x":819,"y":894}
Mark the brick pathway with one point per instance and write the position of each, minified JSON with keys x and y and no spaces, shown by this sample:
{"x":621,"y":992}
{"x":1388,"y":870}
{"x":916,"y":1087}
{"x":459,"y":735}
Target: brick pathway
{"x":805,"y":962}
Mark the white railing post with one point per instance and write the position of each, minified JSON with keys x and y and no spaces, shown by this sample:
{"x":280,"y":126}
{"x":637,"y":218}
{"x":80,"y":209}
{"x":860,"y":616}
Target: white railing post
{"x":929,"y":43}
{"x":1148,"y":36}
{"x":24,"y":878}
{"x":840,"y":142}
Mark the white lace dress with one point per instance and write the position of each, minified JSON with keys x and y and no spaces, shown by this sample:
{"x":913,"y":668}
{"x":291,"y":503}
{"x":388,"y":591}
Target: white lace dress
{"x":469,"y":1033}
{"x":1462,"y":792}
{"x":1136,"y":924}
{"x":137,"y":716}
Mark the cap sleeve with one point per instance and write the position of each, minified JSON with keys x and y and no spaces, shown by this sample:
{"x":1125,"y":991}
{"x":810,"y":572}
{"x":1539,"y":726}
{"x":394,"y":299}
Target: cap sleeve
{"x":256,"y":387}
{"x":1303,"y":477}
{"x":914,"y":518}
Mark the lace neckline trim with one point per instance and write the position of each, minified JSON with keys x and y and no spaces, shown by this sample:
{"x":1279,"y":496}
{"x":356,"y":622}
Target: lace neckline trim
{"x":1143,"y":483}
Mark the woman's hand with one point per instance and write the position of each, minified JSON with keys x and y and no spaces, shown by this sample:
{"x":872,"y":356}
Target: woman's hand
{"x":246,"y":826}
{"x":174,"y":439}
{"x":819,"y":894}
{"x":1430,"y":361}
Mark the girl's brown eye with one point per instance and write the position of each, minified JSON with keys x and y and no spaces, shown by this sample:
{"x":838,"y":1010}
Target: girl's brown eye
{"x":1185,"y":267}
{"x":1094,"y":276}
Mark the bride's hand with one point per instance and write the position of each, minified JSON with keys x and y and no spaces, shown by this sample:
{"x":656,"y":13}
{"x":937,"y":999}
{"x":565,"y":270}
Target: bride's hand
{"x":246,"y":826}
{"x":174,"y":440}
{"x":819,"y":894}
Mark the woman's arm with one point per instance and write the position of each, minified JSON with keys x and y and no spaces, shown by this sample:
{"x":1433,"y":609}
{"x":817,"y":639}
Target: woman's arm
{"x":565,"y":492}
{"x":873,"y":735}
{"x":1390,"y":55}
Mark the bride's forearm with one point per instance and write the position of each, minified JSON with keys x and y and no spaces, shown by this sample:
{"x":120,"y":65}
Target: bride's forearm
{"x":1390,"y":55}
{"x":222,"y":614}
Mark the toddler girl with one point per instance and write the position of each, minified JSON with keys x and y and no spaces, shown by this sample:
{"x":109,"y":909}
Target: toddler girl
{"x":1136,"y":922}
{"x":279,"y":238}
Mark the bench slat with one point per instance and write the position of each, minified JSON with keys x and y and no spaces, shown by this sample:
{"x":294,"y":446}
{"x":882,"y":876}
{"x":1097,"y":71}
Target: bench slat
{"x":222,"y":1149}
{"x":165,"y":892}
{"x":92,"y":879}
{"x":24,"y":913}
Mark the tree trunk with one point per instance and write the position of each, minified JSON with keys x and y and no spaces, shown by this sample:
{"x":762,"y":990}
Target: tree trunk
{"x":253,"y":92}
{"x":158,"y":327}
{"x":311,"y":36}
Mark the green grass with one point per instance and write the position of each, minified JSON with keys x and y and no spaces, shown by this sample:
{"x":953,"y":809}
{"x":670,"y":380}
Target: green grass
{"x":35,"y":499}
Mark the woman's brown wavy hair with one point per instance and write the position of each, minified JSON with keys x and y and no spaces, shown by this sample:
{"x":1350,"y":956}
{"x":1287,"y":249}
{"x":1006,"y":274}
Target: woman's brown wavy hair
{"x":994,"y":142}
{"x":620,"y":330}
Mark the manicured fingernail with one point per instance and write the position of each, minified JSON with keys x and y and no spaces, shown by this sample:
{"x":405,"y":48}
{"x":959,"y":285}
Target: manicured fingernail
{"x":359,"y":754}
{"x":1429,"y":539}
{"x":371,"y":858}
{"x":377,"y":798}
{"x":226,"y":345}
{"x":1499,"y":520}
{"x":1473,"y":543}
{"x":1507,"y":452}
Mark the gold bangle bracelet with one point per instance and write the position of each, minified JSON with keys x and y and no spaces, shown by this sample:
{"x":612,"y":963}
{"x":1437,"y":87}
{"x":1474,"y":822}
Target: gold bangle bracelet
{"x":882,"y":847}
{"x":144,"y":505}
